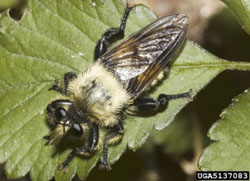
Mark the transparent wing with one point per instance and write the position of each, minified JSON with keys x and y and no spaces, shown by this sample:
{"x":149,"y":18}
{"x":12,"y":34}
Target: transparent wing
{"x":139,"y":59}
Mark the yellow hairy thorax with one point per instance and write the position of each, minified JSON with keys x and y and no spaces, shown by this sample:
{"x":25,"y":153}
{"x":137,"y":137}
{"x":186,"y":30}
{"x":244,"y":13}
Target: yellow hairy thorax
{"x":100,"y":94}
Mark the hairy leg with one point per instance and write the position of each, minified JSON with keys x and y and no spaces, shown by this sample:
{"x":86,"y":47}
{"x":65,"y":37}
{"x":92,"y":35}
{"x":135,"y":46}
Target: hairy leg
{"x":111,"y":35}
{"x":149,"y":104}
{"x":114,"y":137}
{"x":91,"y":148}
{"x":67,"y":78}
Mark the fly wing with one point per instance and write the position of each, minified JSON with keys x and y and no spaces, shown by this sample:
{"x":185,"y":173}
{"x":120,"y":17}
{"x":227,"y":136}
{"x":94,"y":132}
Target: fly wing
{"x":139,"y":59}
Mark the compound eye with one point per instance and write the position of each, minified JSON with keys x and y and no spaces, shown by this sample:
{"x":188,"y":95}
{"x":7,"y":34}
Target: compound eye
{"x":76,"y":130}
{"x":60,"y":113}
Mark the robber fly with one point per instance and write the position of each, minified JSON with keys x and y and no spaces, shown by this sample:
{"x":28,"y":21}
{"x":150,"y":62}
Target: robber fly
{"x":99,"y":97}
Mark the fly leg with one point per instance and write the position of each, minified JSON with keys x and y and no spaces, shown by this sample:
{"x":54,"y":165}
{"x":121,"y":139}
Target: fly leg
{"x":114,"y":137}
{"x":91,"y":148}
{"x":149,"y":104}
{"x":67,"y":78}
{"x":111,"y":35}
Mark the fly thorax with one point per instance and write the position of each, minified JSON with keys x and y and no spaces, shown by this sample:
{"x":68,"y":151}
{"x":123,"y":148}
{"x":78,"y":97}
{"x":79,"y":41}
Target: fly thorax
{"x":99,"y":92}
{"x":97,"y":96}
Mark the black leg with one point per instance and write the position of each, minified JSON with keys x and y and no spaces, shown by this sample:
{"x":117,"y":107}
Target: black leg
{"x":149,"y":104}
{"x":56,"y":87}
{"x":65,"y":164}
{"x":93,"y":137}
{"x":111,"y":35}
{"x":92,"y":144}
{"x":67,"y":78}
{"x":113,"y":137}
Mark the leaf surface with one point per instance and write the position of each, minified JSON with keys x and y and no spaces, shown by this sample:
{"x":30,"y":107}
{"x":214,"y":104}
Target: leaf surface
{"x":55,"y":37}
{"x":230,"y":151}
{"x":241,"y":9}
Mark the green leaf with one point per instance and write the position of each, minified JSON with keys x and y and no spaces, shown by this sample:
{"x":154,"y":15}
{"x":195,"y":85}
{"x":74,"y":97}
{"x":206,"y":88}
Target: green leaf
{"x":231,"y":134}
{"x":55,"y":37}
{"x":178,"y":137}
{"x":241,"y":9}
{"x":7,"y":3}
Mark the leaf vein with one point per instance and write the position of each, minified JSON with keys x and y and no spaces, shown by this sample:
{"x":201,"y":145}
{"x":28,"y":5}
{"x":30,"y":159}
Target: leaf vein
{"x":33,"y":84}
{"x":33,"y":58}
{"x":26,"y":100}
{"x":25,"y":154}
{"x":83,"y":12}
{"x":68,"y":22}
{"x":16,"y":132}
